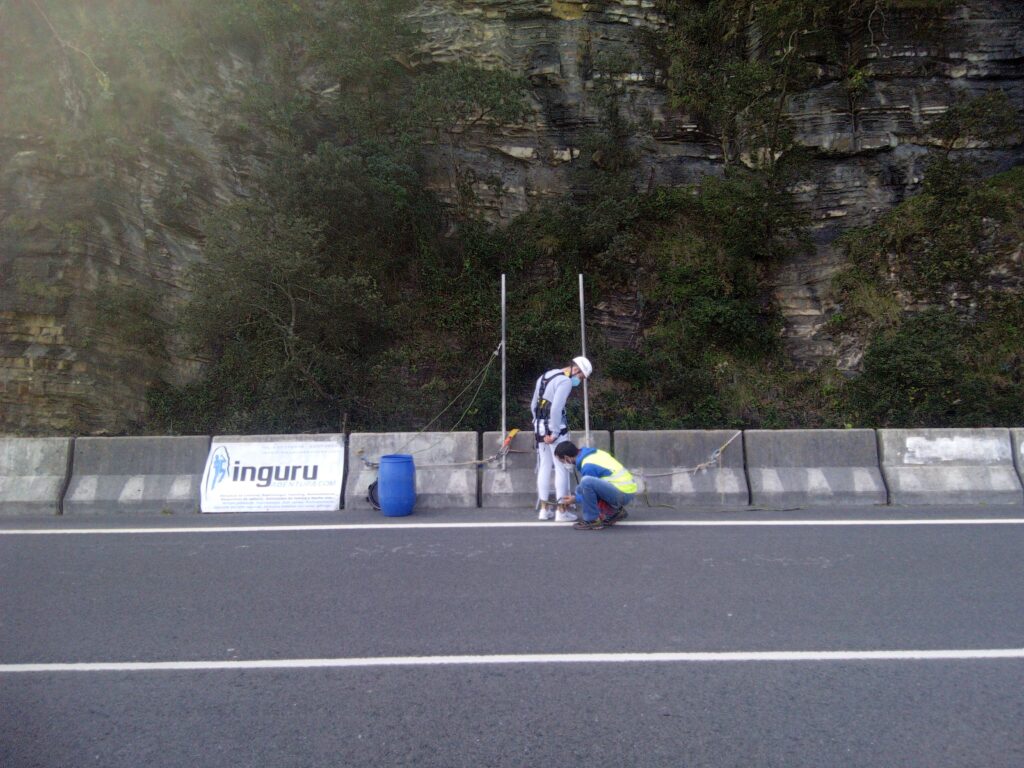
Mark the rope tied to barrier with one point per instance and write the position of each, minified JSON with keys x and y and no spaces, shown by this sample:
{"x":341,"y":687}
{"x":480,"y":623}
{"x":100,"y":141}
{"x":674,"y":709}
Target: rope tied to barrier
{"x":482,"y":376}
{"x":503,"y":451}
{"x":715,"y":457}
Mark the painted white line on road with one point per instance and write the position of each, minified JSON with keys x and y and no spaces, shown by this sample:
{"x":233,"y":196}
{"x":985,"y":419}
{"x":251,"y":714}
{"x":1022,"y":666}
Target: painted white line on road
{"x":539,"y":658}
{"x":455,"y":526}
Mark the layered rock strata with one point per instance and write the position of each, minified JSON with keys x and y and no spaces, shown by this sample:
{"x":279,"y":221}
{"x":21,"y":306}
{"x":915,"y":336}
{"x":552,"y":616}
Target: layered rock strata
{"x":67,"y":229}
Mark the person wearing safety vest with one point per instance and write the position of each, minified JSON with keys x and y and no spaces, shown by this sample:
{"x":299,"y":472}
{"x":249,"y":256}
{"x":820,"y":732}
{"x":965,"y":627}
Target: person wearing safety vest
{"x":605,"y":488}
{"x":550,"y":429}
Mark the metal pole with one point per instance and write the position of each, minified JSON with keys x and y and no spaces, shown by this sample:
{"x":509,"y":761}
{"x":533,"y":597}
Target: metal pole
{"x":504,"y":404}
{"x":583,"y":344}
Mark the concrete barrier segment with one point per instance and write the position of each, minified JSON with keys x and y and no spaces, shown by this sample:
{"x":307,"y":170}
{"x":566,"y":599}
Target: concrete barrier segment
{"x":813,"y":467}
{"x":664,"y":463}
{"x":1017,"y":438}
{"x":136,"y":474}
{"x":515,"y":486}
{"x":446,"y":475}
{"x":950,"y":466}
{"x":33,"y":473}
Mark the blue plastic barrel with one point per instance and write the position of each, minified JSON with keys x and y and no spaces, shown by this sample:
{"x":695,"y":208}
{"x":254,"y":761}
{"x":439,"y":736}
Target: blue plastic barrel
{"x":396,"y":485}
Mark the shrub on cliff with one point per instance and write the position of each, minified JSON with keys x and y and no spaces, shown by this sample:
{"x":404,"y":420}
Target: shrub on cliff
{"x":936,"y":370}
{"x":957,"y":359}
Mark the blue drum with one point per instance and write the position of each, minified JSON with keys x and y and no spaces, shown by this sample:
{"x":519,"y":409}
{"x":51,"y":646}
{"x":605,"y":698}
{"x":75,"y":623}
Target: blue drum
{"x":396,"y":485}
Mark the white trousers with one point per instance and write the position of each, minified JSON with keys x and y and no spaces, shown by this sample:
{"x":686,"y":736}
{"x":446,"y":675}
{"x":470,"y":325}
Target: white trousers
{"x":546,"y":464}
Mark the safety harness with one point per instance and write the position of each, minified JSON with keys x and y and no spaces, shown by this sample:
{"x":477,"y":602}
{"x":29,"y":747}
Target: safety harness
{"x":543,"y":413}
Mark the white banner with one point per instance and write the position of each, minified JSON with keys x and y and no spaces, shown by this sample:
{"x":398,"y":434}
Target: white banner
{"x":268,"y":474}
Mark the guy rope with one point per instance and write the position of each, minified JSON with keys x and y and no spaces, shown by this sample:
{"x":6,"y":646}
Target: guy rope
{"x":503,"y":450}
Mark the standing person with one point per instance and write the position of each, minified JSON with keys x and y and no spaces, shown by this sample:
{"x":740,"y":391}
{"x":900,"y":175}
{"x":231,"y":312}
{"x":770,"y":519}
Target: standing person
{"x":550,"y":429}
{"x":604,"y":479}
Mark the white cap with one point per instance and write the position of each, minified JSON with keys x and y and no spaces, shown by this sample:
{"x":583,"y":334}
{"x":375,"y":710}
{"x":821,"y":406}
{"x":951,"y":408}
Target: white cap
{"x":584,"y":365}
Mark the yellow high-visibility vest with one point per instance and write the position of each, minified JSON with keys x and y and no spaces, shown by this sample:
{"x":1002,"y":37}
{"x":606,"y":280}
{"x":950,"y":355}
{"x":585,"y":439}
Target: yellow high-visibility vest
{"x":620,"y":477}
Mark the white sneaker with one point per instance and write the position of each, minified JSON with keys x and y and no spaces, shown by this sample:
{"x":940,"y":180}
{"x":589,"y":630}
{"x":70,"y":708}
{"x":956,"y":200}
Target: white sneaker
{"x":565,"y":517}
{"x":546,"y":513}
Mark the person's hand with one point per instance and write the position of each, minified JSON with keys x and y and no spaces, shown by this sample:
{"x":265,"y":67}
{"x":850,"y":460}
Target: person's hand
{"x":567,"y":500}
{"x":549,"y":439}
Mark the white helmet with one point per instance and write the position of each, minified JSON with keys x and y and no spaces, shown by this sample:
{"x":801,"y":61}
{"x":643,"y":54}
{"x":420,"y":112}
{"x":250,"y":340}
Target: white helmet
{"x":584,"y":365}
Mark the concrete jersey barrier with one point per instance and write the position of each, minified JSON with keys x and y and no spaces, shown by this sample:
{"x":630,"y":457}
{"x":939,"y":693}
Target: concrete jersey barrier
{"x":1017,"y":436}
{"x":784,"y":467}
{"x":439,"y":484}
{"x":515,"y":487}
{"x":33,"y":472}
{"x":949,"y":466}
{"x":813,"y":467}
{"x":659,"y":458}
{"x":136,"y":474}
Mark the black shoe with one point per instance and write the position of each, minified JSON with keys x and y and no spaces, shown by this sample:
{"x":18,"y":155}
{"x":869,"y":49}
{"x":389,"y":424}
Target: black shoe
{"x":616,"y":516}
{"x":591,"y":525}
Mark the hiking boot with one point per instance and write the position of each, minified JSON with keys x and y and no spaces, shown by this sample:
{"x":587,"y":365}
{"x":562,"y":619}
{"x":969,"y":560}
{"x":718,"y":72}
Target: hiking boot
{"x":591,"y":525}
{"x":617,"y":514}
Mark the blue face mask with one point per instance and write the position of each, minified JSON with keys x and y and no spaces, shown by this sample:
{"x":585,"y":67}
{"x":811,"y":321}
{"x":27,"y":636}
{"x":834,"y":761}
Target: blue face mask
{"x":575,"y":381}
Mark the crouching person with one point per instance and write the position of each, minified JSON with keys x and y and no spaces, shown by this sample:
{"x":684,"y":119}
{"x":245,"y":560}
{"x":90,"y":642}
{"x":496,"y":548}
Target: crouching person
{"x":605,"y":488}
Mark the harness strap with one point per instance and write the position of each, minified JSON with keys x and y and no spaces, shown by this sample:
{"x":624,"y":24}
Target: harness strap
{"x":543,"y":412}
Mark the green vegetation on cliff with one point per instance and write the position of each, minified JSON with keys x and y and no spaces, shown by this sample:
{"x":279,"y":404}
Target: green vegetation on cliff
{"x":955,"y":250}
{"x":340,"y":293}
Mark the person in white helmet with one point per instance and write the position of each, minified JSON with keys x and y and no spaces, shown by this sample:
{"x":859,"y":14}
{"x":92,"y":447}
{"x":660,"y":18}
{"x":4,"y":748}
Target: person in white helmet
{"x":550,"y":429}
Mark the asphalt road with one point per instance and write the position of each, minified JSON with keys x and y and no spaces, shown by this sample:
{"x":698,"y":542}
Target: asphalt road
{"x":353,"y":596}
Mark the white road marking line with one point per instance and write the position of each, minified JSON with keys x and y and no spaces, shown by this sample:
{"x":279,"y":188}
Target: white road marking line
{"x":443,"y":526}
{"x":542,"y":658}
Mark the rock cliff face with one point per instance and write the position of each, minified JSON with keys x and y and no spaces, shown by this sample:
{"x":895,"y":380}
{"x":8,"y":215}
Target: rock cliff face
{"x":74,"y":233}
{"x":69,"y":229}
{"x":868,"y":156}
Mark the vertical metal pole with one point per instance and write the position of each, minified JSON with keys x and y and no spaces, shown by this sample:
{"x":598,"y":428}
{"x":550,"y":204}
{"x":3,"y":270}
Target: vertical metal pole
{"x":583,"y":344}
{"x":504,"y":333}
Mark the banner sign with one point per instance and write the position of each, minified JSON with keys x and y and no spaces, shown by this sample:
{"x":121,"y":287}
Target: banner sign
{"x":273,"y":474}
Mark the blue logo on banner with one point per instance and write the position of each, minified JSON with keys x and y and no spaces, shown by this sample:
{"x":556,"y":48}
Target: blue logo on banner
{"x":221,"y":460}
